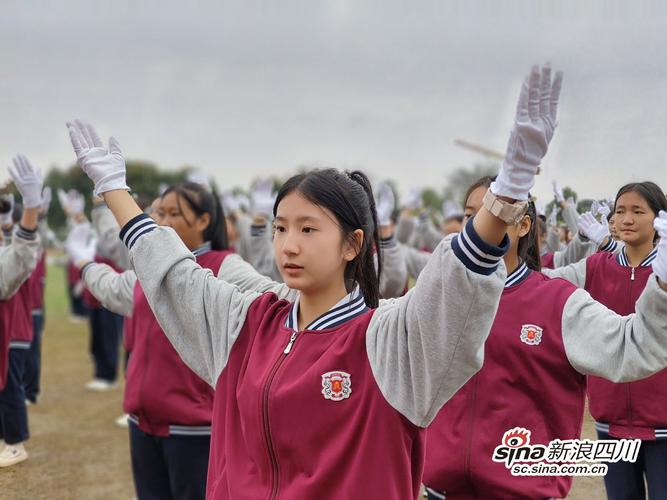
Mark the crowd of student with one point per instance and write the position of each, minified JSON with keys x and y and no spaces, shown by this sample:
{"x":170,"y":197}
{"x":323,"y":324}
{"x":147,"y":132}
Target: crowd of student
{"x":321,"y":342}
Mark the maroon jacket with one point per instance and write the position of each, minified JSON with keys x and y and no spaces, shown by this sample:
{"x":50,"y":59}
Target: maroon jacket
{"x":88,"y":298}
{"x":550,"y":402}
{"x":36,"y":281}
{"x":294,"y":443}
{"x":162,"y":395}
{"x":547,"y":260}
{"x":16,"y":330}
{"x":632,"y":409}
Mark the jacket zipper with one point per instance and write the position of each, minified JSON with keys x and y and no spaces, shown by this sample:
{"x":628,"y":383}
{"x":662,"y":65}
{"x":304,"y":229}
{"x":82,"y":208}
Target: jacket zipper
{"x":273,"y":459}
{"x":627,"y":385}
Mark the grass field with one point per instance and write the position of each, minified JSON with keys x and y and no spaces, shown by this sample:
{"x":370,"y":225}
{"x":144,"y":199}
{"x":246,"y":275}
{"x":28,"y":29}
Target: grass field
{"x":76,"y":451}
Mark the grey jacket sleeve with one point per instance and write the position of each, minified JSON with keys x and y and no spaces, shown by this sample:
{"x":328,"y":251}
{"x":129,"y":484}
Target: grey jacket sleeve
{"x":570,"y":215}
{"x":415,"y":261}
{"x":553,"y":240}
{"x":17,"y":261}
{"x":405,"y":227}
{"x":619,"y":348}
{"x":243,"y":224}
{"x":236,"y":271}
{"x":114,"y":290}
{"x":425,"y":345}
{"x":394,"y":276}
{"x":261,"y":251}
{"x":429,"y":236}
{"x":107,"y":230}
{"x":574,"y":273}
{"x":178,"y":289}
{"x":576,"y":250}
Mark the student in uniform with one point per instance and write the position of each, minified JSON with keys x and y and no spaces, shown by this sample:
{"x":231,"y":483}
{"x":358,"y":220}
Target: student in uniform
{"x":17,"y":261}
{"x":537,"y":356}
{"x":169,"y":405}
{"x":297,"y":385}
{"x":617,"y":280}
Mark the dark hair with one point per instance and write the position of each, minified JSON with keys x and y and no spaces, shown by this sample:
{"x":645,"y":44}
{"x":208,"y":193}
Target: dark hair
{"x":648,"y":190}
{"x":528,"y":247}
{"x":202,"y":201}
{"x":349,"y":196}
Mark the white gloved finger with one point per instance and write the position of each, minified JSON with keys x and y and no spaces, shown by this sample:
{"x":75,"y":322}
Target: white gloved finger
{"x":545,"y":91}
{"x":114,"y":146}
{"x":555,"y":95}
{"x":75,"y":139}
{"x":534,"y":93}
{"x":522,"y":104}
{"x":95,"y":139}
{"x":85,"y":132}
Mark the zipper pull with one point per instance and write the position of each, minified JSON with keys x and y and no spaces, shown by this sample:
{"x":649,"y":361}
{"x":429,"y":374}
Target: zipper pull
{"x":291,"y":343}
{"x":632,"y":275}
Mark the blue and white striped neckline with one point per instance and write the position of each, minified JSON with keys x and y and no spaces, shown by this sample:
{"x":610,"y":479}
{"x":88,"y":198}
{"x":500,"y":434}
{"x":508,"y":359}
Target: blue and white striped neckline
{"x":518,"y":275}
{"x":201,"y":250}
{"x":349,"y":307}
{"x":622,"y":258}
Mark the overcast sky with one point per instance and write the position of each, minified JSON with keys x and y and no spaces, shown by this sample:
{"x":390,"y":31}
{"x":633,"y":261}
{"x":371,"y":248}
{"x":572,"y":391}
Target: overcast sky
{"x":245,"y":88}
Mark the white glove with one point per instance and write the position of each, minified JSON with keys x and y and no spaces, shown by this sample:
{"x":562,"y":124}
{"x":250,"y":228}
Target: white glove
{"x":76,"y":202}
{"x":81,"y":242}
{"x":385,"y":202}
{"x":62,"y":199}
{"x":162,"y":188}
{"x":28,"y":181}
{"x":552,"y":220}
{"x":533,"y":129}
{"x":558,"y":192}
{"x":6,"y":216}
{"x":105,"y":167}
{"x":199,"y":177}
{"x":604,"y":212}
{"x":46,"y":200}
{"x":592,"y":229}
{"x":660,"y":262}
{"x":414,"y":199}
{"x":262,"y":198}
{"x":595,"y":206}
{"x":229,"y":202}
{"x":244,"y":202}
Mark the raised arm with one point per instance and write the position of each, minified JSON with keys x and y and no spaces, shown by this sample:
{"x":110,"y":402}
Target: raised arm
{"x":19,"y":259}
{"x":176,"y":287}
{"x":424,"y":346}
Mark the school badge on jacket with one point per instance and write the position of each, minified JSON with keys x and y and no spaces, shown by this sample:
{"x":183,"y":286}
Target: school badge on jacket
{"x":336,"y":386}
{"x":531,"y":334}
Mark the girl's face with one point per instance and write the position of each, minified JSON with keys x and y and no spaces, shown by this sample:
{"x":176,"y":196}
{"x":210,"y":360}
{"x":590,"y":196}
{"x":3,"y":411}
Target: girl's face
{"x":633,"y":219}
{"x":473,"y":203}
{"x":156,"y":212}
{"x":308,"y":245}
{"x":178,"y":215}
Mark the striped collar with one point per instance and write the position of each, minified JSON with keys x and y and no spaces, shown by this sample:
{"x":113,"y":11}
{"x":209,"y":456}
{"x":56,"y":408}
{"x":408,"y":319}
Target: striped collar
{"x":201,"y":250}
{"x":517,"y":276}
{"x":349,"y":307}
{"x":622,"y":258}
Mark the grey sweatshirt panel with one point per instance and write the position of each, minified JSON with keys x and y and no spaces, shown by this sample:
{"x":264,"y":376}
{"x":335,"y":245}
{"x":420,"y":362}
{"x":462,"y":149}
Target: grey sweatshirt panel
{"x":429,"y":236}
{"x":405,"y":227}
{"x":236,"y":271}
{"x":262,"y":256}
{"x":243,"y":244}
{"x":553,"y":240}
{"x":415,"y":260}
{"x":619,"y":348}
{"x":571,"y":216}
{"x":109,"y":245}
{"x":114,"y":290}
{"x":178,"y":290}
{"x":17,"y":262}
{"x":394,"y":275}
{"x":576,"y":250}
{"x":574,"y":273}
{"x":425,"y":345}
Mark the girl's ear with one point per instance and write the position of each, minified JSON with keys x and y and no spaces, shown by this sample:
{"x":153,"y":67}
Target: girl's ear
{"x":524,"y":226}
{"x":203,"y":222}
{"x":353,"y":245}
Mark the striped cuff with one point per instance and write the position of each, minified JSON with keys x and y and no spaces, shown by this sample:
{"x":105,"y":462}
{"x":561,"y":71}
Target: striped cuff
{"x":85,"y":267}
{"x":475,"y":253}
{"x":611,"y":246}
{"x":26,"y":234}
{"x":388,"y":242}
{"x":135,"y":229}
{"x":257,"y":230}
